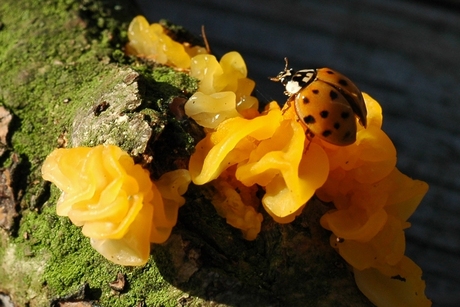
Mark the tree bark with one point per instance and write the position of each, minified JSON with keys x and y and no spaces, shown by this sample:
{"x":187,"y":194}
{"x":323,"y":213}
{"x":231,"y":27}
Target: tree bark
{"x":65,"y":81}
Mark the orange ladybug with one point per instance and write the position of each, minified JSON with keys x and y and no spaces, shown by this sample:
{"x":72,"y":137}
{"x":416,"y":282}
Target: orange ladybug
{"x":326,"y":102}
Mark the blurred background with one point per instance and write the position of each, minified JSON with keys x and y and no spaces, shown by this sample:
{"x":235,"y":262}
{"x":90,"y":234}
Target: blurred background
{"x":405,"y":54}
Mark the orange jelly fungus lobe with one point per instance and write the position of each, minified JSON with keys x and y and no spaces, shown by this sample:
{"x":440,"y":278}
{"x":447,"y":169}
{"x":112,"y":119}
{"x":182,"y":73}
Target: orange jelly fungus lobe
{"x":172,"y":186}
{"x":267,"y":150}
{"x":113,"y":199}
{"x":224,"y":91}
{"x":402,"y":285}
{"x":152,"y":41}
{"x":238,"y":204}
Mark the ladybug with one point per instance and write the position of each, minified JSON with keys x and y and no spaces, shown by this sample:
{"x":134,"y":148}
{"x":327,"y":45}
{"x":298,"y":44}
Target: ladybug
{"x":326,"y":102}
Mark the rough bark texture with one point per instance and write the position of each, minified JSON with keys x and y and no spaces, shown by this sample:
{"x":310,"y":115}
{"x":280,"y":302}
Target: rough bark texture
{"x":62,"y":77}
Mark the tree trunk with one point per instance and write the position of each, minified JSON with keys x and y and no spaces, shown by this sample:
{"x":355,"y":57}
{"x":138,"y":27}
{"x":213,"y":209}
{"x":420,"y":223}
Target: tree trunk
{"x":65,"y":81}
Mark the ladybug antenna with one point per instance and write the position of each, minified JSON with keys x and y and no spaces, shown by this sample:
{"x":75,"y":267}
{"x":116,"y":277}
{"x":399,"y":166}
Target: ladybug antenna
{"x":283,"y":74}
{"x":287,"y":63}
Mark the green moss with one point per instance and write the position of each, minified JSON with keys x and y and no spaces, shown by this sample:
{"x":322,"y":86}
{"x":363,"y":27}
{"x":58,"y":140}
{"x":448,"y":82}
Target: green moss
{"x":46,"y":67}
{"x":71,"y":263}
{"x":181,"y":81}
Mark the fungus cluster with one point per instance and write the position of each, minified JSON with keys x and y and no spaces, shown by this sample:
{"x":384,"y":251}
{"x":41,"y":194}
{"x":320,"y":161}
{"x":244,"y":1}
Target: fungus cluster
{"x":245,"y":151}
{"x":114,"y":200}
{"x":267,"y":151}
{"x":153,"y":42}
{"x":373,"y":201}
{"x":224,"y":91}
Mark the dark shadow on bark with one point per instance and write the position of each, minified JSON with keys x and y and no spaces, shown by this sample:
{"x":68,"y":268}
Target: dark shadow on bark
{"x":287,"y":265}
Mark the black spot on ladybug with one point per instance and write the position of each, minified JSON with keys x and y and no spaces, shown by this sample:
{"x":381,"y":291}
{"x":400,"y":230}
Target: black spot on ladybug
{"x":309,"y":119}
{"x":315,"y":91}
{"x":305,"y":99}
{"x":346,"y":135}
{"x":345,"y":115}
{"x":330,"y":72}
{"x":336,"y":126}
{"x":333,"y":95}
{"x":326,"y":133}
{"x":324,"y":114}
{"x":343,"y":82}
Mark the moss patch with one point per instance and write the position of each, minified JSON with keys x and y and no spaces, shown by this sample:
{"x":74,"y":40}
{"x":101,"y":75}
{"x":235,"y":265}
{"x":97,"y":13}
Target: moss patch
{"x":64,"y":261}
{"x":80,"y":264}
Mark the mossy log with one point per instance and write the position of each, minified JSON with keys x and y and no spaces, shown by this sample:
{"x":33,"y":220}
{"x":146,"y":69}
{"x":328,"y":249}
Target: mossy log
{"x":65,"y":81}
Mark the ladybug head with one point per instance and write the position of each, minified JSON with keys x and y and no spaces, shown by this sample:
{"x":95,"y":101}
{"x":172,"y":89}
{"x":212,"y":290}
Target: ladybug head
{"x":285,"y":75}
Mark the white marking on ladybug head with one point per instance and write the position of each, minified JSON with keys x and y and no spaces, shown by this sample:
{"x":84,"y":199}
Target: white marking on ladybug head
{"x":293,"y":87}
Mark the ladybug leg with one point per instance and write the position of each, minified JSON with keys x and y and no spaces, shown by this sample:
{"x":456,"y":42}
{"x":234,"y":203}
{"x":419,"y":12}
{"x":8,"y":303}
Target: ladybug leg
{"x":309,"y":136}
{"x":287,"y":105}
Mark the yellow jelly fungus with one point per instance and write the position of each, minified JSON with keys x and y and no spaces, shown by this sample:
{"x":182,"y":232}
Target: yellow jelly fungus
{"x":152,"y":41}
{"x":398,"y":285}
{"x":172,"y":186}
{"x":237,"y":204}
{"x":377,"y":233}
{"x":267,"y":150}
{"x":217,"y":76}
{"x":207,"y":69}
{"x":385,"y":248}
{"x":112,"y":198}
{"x":223,"y":106}
{"x":373,"y":201}
{"x":289,"y":174}
{"x":224,"y":91}
{"x":230,"y":144}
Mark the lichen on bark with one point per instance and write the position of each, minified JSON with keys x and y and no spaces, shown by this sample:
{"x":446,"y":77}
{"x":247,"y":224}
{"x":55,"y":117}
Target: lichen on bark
{"x":109,"y":119}
{"x":63,"y":77}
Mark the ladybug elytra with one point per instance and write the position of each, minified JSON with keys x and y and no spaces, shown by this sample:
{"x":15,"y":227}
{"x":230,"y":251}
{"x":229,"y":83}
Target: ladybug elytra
{"x":326,"y":102}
